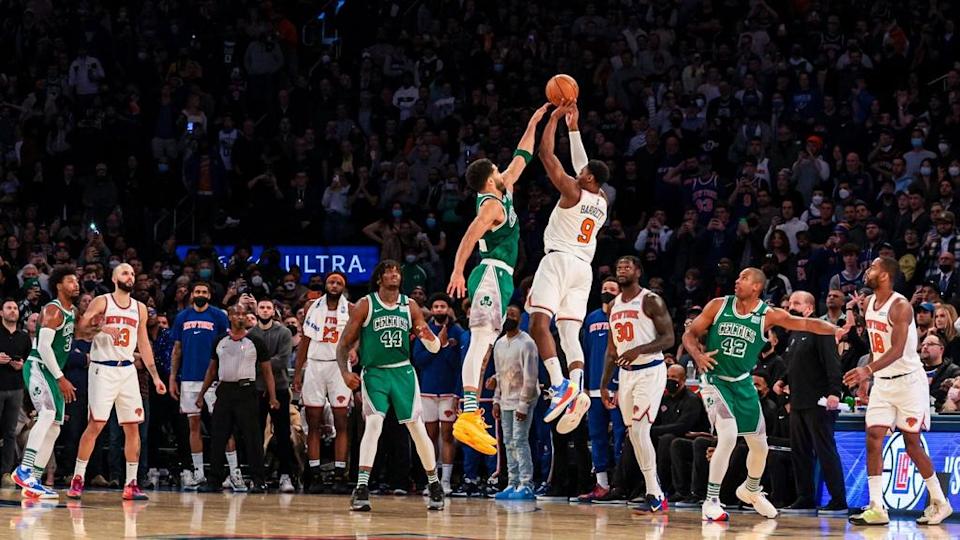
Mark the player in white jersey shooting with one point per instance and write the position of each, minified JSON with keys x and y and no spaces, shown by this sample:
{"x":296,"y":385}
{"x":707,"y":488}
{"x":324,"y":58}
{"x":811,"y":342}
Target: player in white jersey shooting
{"x":562,"y":282}
{"x":900,"y":396}
{"x":640,"y":330}
{"x":120,"y":326}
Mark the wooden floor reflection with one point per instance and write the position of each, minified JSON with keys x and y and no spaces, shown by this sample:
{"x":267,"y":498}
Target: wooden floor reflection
{"x":191,"y":515}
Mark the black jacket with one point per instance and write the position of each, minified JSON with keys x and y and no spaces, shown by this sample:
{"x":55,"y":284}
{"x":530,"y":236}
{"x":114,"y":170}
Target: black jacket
{"x":680,"y":414}
{"x":17,"y":346}
{"x":946,"y":370}
{"x":813,"y":369}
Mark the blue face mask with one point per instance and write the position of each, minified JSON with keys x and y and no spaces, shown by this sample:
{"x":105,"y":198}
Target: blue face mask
{"x":205,"y":273}
{"x":917,"y":143}
{"x":397,"y":213}
{"x":431,"y":222}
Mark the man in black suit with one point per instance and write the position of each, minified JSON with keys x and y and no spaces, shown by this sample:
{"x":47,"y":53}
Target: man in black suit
{"x":813,"y":373}
{"x":946,"y":276}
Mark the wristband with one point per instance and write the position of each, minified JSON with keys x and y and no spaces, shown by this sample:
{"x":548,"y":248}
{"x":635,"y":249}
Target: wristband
{"x":870,"y":369}
{"x":527,"y":156}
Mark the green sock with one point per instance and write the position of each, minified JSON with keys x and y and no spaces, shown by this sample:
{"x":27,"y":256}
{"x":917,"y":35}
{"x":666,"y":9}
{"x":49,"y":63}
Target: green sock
{"x":713,"y":491}
{"x":753,"y":484}
{"x":29,"y":455}
{"x":469,"y":401}
{"x":432,"y":476}
{"x":363,"y":478}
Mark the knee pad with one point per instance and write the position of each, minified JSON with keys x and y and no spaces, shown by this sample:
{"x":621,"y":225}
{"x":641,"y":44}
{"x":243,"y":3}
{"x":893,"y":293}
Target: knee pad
{"x":570,"y":340}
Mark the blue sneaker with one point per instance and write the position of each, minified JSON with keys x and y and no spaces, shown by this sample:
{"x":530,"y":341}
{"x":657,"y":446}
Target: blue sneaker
{"x":560,"y":397}
{"x":23,"y":477}
{"x":651,"y":505}
{"x":506,"y":494}
{"x":523,"y":493}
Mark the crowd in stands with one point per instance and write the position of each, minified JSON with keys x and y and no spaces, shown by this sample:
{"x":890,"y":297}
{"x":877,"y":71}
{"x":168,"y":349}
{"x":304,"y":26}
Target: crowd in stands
{"x":804,"y":138}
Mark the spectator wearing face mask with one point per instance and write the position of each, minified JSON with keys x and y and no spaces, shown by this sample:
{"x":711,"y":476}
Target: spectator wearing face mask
{"x":681,"y":413}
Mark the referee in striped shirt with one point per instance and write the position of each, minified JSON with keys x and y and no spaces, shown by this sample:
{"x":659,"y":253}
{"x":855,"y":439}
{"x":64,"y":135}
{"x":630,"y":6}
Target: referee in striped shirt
{"x":236,"y":358}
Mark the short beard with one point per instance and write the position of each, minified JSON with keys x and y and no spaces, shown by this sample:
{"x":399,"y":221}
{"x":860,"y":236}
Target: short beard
{"x":124,"y":287}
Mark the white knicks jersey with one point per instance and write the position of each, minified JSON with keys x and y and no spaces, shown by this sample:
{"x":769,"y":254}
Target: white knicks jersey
{"x":880,"y":331}
{"x":126,"y":321}
{"x":574,"y":230}
{"x":324,"y":326}
{"x":631,"y":327}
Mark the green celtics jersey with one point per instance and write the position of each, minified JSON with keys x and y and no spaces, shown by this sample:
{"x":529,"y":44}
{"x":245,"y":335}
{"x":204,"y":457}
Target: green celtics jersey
{"x":62,"y":338}
{"x":501,"y":242}
{"x":385,"y":335}
{"x":737,"y":338}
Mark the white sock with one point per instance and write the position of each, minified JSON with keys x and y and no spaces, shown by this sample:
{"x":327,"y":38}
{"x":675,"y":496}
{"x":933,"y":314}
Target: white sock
{"x":197,"y":462}
{"x":875,"y":486}
{"x":80,"y":469}
{"x":232,"y":460}
{"x":576,"y":377}
{"x":934,"y":489}
{"x":337,"y":464}
{"x":602,"y":480}
{"x":314,"y":462}
{"x":132,"y":472}
{"x":553,"y":368}
{"x":447,"y":469}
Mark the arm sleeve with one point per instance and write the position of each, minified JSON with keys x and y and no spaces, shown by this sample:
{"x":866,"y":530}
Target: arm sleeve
{"x":45,"y":348}
{"x":578,"y":154}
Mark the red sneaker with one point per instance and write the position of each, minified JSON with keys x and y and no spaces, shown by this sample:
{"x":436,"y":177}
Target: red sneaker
{"x":131,"y":492}
{"x":76,"y":488}
{"x":597,"y":492}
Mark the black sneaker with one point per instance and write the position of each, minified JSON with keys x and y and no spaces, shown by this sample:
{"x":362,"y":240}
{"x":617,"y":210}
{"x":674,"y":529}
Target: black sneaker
{"x":692,"y":501}
{"x":360,"y":501}
{"x":257,"y":487}
{"x":210,"y":486}
{"x":340,"y":484}
{"x":468,"y":489}
{"x":799,"y":507}
{"x":313,"y":480}
{"x":835,"y":508}
{"x":436,"y":496}
{"x":614,"y":496}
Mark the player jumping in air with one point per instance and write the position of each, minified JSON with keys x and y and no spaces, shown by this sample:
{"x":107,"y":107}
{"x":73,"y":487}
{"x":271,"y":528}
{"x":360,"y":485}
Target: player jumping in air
{"x":900,"y":396}
{"x":561,"y":284}
{"x":497,"y":232}
{"x":735,"y":328}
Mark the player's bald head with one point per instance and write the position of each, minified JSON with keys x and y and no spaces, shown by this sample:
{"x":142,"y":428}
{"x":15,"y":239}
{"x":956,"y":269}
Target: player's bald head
{"x":803,"y":297}
{"x":120,"y":268}
{"x":755,"y":275}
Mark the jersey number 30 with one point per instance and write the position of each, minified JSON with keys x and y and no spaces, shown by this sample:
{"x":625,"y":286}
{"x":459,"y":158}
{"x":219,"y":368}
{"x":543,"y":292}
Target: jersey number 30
{"x":586,"y":231}
{"x":392,"y":339}
{"x":733,"y":347}
{"x":624,"y":332}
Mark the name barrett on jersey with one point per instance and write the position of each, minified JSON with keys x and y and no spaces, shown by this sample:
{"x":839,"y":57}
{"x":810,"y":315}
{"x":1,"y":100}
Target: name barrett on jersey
{"x":593,"y":210}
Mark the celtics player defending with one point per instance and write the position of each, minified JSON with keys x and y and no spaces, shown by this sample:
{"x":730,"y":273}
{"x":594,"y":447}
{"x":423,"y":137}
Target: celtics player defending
{"x":735,"y":328}
{"x":490,"y":286}
{"x":383,"y":322}
{"x":49,"y":389}
{"x":899,"y":397}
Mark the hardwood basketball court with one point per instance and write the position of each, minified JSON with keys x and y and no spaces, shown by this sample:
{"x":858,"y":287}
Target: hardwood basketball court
{"x":172,"y":515}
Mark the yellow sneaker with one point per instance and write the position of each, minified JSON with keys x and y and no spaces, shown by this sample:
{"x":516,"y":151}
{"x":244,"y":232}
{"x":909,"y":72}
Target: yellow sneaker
{"x":871,"y":515}
{"x":471,"y":430}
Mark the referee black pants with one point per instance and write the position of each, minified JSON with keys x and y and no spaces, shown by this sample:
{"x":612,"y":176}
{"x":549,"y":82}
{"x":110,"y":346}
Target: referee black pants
{"x":811,"y":440}
{"x":236,"y":413}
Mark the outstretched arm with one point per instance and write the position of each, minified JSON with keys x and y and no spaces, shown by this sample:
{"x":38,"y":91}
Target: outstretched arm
{"x":565,"y":184}
{"x":779,"y":317}
{"x":578,"y":154}
{"x":489,"y":214}
{"x":519,"y":161}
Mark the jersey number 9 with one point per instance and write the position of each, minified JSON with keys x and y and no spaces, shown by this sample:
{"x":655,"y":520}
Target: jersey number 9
{"x":586,"y":231}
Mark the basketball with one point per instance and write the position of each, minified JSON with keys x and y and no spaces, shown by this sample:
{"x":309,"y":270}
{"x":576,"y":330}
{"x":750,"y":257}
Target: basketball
{"x":562,"y":87}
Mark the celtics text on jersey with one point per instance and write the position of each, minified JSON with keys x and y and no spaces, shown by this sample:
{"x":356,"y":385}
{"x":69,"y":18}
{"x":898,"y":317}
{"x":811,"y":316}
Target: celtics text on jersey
{"x":385,"y":333}
{"x":738,"y":338}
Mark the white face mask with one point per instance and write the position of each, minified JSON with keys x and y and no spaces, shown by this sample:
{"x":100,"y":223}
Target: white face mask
{"x":844,"y":193}
{"x":954,"y":171}
{"x":817,"y":199}
{"x":944,"y":148}
{"x":925,"y":171}
{"x":256,"y":281}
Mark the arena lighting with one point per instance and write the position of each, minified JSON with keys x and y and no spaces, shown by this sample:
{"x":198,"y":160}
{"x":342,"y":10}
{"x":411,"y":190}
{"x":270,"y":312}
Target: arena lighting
{"x":321,"y":16}
{"x":340,"y":4}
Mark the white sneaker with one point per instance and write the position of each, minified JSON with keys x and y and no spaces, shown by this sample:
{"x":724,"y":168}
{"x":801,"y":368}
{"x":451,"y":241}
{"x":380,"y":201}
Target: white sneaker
{"x":188,"y":482}
{"x":712,"y":510}
{"x":286,"y":486}
{"x":447,"y":490}
{"x":235,"y":481}
{"x":574,"y":413}
{"x":935,"y":513}
{"x":757,"y":499}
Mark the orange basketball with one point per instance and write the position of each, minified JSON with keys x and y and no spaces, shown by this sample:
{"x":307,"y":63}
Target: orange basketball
{"x":562,"y":87}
